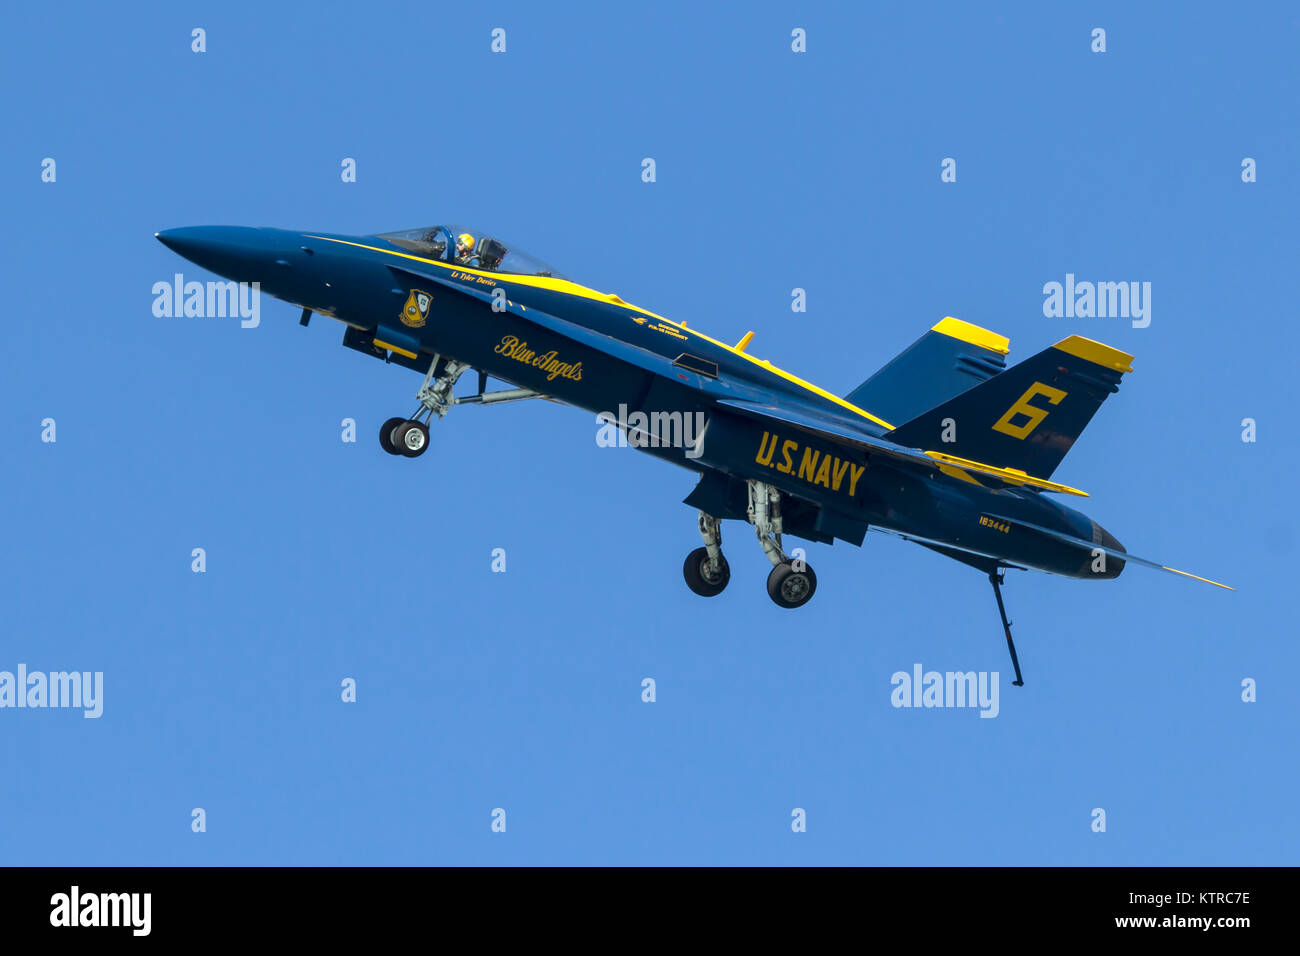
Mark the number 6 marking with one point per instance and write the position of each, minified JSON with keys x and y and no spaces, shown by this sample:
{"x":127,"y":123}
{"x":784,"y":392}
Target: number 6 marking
{"x":1031,"y":412}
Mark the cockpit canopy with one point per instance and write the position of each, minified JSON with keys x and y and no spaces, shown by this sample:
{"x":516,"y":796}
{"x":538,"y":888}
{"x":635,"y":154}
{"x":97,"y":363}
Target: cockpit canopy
{"x":487,"y":253}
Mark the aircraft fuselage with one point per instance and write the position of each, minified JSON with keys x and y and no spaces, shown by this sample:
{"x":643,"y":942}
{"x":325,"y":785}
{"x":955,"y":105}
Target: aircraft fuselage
{"x":605,"y":354}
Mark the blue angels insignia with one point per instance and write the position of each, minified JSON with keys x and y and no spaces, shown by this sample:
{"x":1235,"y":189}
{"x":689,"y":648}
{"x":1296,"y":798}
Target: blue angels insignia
{"x":416,"y":311}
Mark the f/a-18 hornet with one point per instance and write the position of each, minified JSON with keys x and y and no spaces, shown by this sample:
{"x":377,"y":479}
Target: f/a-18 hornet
{"x":945,"y":445}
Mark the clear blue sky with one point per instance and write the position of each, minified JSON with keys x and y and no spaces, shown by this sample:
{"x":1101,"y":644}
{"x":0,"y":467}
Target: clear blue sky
{"x":522,"y":690}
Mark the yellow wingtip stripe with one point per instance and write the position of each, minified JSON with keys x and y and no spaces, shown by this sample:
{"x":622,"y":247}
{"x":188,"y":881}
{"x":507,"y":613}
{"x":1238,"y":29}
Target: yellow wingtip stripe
{"x":960,"y":475}
{"x":1096,"y":352}
{"x":1188,"y":574}
{"x":965,"y":332}
{"x":1012,"y":475}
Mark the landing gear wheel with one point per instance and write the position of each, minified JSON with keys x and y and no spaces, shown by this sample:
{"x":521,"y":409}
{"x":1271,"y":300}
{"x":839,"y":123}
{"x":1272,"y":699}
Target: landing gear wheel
{"x":791,"y":588}
{"x":386,"y":435}
{"x":411,"y":438}
{"x":702,"y":578}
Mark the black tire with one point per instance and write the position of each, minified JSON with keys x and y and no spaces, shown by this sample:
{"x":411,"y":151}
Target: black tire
{"x":790,"y":588}
{"x":386,"y":435}
{"x":411,"y":439}
{"x":693,"y":570}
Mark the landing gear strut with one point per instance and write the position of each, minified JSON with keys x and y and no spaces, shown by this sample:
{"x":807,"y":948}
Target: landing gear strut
{"x":409,"y":437}
{"x":706,"y":570}
{"x":791,"y":584}
{"x":996,"y":578}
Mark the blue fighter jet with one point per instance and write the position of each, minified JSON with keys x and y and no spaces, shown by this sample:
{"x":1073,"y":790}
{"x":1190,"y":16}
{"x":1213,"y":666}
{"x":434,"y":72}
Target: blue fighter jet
{"x":945,"y":446}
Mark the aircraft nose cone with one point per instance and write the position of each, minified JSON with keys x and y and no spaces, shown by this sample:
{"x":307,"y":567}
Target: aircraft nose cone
{"x":190,"y":240}
{"x":173,"y":239}
{"x":236,"y":252}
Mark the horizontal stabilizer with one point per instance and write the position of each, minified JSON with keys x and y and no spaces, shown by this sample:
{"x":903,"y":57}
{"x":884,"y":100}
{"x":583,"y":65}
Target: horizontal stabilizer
{"x":1091,"y":546}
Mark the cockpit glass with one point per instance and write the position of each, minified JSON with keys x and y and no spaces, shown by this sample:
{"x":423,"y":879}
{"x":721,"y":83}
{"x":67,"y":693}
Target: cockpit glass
{"x":427,"y":242}
{"x":471,"y":248}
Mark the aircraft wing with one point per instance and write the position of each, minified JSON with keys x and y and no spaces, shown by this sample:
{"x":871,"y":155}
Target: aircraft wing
{"x":812,"y":421}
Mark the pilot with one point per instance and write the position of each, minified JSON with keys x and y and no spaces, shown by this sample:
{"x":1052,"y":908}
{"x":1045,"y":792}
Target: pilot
{"x":465,"y":250}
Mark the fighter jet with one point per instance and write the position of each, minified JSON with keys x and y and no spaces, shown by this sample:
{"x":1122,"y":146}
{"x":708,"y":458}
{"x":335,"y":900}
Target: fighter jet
{"x":945,"y":445}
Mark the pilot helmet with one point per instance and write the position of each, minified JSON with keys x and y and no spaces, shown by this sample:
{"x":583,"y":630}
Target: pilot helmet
{"x":464,"y":242}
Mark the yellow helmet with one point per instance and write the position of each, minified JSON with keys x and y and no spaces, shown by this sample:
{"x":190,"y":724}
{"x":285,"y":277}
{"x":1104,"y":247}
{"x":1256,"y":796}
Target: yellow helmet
{"x":465,"y":241}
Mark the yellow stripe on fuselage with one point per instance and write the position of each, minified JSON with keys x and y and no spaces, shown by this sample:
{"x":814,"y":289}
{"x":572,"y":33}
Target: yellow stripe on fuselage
{"x":572,"y":288}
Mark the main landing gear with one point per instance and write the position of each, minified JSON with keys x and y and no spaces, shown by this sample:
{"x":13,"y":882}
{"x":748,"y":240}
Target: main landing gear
{"x":791,"y":583}
{"x":706,"y":570}
{"x":409,"y":437}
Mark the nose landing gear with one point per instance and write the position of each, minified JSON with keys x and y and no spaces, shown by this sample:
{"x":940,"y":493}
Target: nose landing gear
{"x":409,"y":437}
{"x":406,"y":437}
